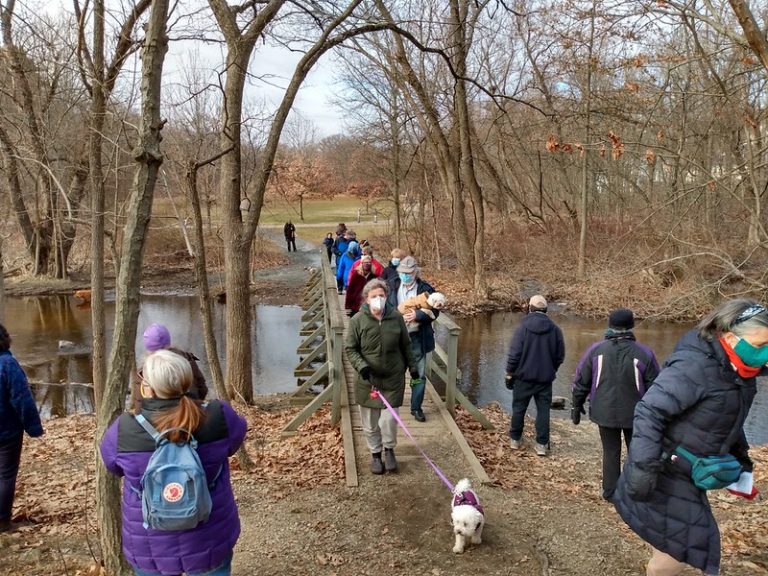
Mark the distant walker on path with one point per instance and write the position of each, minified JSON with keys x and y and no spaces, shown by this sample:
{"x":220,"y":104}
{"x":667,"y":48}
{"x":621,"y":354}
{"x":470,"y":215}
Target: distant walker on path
{"x":289,"y":230}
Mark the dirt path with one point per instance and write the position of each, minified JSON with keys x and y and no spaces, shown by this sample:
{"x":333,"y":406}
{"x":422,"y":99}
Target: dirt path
{"x":543,"y":518}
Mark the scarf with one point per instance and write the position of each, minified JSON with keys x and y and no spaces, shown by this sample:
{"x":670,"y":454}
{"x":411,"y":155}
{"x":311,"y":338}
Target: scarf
{"x":741,"y":369}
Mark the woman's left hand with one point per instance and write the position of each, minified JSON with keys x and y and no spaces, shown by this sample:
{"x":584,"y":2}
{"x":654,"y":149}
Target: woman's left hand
{"x":410,"y":316}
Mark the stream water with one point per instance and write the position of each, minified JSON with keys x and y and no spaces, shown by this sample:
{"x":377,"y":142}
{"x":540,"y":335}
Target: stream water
{"x":37,"y":324}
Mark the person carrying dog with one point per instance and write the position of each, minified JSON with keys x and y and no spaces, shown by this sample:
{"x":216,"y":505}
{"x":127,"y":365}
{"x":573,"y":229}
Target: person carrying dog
{"x":379,"y":350}
{"x":535,"y":353}
{"x":688,"y":437}
{"x":407,"y":285}
{"x":613,"y":374}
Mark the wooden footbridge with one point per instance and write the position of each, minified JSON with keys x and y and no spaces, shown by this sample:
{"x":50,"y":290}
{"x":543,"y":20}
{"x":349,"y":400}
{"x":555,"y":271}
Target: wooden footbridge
{"x":324,"y":362}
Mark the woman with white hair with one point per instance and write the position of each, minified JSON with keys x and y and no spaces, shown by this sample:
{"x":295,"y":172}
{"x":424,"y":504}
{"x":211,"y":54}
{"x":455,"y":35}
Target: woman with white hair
{"x":379,"y":349}
{"x":688,"y":437}
{"x":127,"y":447}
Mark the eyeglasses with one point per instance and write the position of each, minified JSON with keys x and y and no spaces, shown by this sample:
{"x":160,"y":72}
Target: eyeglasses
{"x":748,"y":314}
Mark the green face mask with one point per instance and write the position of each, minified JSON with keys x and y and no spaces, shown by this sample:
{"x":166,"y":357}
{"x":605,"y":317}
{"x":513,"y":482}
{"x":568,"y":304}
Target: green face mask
{"x":755,"y":356}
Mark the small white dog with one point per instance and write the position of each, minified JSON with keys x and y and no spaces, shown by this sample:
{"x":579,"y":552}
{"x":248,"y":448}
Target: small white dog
{"x":467,"y":516}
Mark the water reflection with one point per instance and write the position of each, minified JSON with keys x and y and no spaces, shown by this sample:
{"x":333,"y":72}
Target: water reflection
{"x":38,"y":324}
{"x":483,"y":356}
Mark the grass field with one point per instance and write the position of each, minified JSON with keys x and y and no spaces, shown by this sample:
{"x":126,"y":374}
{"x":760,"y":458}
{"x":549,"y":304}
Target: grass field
{"x":339,"y":209}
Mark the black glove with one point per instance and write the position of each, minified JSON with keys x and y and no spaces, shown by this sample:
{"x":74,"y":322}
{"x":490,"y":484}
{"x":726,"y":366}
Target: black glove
{"x":365,"y":372}
{"x":641,"y":479}
{"x":576,"y":412}
{"x":509,"y":381}
{"x":414,"y":375}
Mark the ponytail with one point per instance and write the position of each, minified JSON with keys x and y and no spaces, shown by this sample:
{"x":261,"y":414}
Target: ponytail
{"x":188,"y":415}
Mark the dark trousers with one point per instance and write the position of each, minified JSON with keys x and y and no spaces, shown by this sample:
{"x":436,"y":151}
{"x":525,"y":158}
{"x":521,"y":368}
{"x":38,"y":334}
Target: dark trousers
{"x":291,"y":242}
{"x":417,"y":392}
{"x":611,"y":439}
{"x":10,"y":456}
{"x":521,"y":397}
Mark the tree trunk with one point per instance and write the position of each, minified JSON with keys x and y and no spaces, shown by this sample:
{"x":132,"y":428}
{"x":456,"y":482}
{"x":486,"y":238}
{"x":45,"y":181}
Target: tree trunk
{"x":585,"y":179}
{"x":203,"y":290}
{"x":148,"y":158}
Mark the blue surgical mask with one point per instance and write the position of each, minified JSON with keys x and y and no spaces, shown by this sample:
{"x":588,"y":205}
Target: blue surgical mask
{"x":755,"y":356}
{"x":406,"y":278}
{"x":395,"y":261}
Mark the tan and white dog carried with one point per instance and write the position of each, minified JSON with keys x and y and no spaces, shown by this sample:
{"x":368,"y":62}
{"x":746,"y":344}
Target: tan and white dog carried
{"x":467,"y":516}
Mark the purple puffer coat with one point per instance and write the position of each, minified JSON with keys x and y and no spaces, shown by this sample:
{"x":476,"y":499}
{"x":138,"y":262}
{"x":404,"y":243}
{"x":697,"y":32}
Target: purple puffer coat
{"x":126,"y":449}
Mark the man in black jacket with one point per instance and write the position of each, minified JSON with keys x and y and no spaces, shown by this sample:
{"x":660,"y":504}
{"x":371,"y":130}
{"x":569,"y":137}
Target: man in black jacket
{"x":614,"y":374}
{"x":535,"y":354}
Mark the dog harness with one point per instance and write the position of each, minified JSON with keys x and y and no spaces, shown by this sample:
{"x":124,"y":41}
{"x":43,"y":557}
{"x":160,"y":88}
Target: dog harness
{"x":468,"y":498}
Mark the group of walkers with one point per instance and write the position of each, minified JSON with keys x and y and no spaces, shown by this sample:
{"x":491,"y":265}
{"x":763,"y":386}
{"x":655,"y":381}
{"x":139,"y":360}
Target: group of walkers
{"x":683,"y":424}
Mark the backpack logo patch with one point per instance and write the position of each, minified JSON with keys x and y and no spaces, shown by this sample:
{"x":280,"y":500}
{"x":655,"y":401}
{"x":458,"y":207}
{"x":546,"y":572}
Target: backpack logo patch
{"x":173,"y":492}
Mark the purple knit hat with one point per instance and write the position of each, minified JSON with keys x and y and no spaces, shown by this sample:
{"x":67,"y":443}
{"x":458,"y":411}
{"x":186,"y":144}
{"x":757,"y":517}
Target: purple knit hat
{"x":156,"y":337}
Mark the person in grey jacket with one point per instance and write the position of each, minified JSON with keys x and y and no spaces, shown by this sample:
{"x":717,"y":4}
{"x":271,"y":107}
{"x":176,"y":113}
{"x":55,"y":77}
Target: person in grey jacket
{"x":699,"y":403}
{"x":613,"y":373}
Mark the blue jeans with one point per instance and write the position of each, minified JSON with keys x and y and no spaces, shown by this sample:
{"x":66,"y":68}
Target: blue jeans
{"x":224,"y":570}
{"x":10,"y":457}
{"x":417,"y":392}
{"x":521,"y":397}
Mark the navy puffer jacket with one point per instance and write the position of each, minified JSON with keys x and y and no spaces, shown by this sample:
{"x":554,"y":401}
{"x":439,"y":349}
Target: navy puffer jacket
{"x":18,"y":411}
{"x":698,"y":401}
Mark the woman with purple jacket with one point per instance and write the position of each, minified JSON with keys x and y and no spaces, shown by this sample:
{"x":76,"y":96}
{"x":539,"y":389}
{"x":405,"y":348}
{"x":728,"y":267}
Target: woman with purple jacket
{"x":126,"y":449}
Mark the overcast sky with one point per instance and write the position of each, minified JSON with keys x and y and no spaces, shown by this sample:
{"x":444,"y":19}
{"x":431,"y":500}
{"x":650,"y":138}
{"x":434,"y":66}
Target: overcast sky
{"x":275,"y":64}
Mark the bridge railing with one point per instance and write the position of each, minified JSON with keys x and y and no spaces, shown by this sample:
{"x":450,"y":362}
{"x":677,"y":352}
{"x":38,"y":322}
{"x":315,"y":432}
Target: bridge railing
{"x":323,"y":346}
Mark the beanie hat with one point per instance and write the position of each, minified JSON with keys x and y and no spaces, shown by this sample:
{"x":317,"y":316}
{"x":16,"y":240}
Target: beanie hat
{"x":353,"y":248}
{"x":621,"y":319}
{"x":538,"y":301}
{"x":156,"y":337}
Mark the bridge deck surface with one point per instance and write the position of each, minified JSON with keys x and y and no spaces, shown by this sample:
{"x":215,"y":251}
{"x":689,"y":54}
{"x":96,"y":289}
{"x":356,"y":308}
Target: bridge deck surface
{"x":438,"y":436}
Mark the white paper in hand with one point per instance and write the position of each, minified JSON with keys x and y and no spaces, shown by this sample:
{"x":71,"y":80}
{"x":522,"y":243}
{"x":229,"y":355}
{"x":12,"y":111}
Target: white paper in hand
{"x":743,"y":487}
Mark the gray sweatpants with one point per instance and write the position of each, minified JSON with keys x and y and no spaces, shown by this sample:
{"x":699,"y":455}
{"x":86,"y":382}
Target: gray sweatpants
{"x":379,"y":427}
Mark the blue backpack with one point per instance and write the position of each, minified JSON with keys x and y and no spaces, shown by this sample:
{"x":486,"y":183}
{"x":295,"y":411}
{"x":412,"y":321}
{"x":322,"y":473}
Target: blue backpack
{"x":175,"y":494}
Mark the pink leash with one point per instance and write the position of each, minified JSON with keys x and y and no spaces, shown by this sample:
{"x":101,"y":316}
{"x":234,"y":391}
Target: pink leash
{"x":376,"y":394}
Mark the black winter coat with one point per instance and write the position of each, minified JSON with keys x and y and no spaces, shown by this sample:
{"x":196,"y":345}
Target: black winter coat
{"x":614,"y":373}
{"x":537,"y":350}
{"x":698,"y":401}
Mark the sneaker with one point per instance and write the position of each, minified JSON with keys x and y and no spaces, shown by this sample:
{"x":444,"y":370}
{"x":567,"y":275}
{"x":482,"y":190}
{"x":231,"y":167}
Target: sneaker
{"x":419,"y":415}
{"x":541,"y":449}
{"x":390,"y":464}
{"x":514,"y":444}
{"x":377,"y":466}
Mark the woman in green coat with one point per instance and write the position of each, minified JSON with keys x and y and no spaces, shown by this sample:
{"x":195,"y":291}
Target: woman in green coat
{"x":379,"y":348}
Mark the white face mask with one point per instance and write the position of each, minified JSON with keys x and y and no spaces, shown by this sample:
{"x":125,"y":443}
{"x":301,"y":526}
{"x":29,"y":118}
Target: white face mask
{"x":377,"y":303}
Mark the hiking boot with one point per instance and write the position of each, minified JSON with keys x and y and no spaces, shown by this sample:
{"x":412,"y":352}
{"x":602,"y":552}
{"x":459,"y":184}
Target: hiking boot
{"x":5,"y":525}
{"x":541,"y":449}
{"x":377,"y":466}
{"x":390,"y":464}
{"x":514,"y":444}
{"x":419,"y":415}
